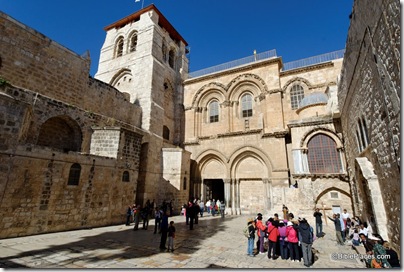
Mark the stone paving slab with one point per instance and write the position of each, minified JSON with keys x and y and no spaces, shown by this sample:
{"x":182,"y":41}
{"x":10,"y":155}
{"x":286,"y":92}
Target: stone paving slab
{"x":214,"y":243}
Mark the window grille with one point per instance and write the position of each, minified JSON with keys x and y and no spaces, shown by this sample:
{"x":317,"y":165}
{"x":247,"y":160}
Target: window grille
{"x":74,"y":174}
{"x":133,"y":42}
{"x":166,"y":133}
{"x":119,"y":47}
{"x":323,"y":156}
{"x":246,"y":105}
{"x":334,"y":195}
{"x":125,"y":176}
{"x":214,"y":112}
{"x":171,"y":58}
{"x":296,"y":95}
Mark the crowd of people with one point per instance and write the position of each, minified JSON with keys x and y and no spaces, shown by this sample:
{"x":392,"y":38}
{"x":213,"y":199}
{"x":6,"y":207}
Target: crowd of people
{"x":352,"y":231}
{"x":291,"y":239}
{"x":288,"y":238}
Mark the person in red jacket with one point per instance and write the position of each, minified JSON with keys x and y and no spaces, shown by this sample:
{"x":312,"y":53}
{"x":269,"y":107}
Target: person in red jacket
{"x":261,"y":233}
{"x":273,"y":234}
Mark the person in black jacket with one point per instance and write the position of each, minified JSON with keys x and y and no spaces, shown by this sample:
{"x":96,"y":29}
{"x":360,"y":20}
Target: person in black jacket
{"x":164,"y":230}
{"x":366,"y":243}
{"x":393,"y":256}
{"x":251,"y":238}
{"x":319,"y":223}
{"x":306,"y":240}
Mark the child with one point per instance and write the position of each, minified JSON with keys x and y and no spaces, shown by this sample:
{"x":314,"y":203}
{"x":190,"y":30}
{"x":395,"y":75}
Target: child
{"x":355,"y":238}
{"x":171,"y":236}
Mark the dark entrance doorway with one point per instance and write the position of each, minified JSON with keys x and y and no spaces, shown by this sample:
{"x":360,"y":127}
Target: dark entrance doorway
{"x":214,"y":189}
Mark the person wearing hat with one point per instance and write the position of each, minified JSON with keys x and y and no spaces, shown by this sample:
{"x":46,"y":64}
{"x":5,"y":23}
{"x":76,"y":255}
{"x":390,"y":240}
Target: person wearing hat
{"x":291,"y":235}
{"x":378,"y":252}
{"x":251,"y":238}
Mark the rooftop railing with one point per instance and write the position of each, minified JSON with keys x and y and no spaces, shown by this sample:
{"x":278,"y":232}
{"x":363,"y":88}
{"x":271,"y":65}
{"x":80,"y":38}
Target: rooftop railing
{"x":267,"y":55}
{"x":235,"y":63}
{"x":313,"y":60}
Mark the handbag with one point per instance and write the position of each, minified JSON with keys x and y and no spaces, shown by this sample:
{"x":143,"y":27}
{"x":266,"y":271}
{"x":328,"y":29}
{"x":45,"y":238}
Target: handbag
{"x":375,"y":264}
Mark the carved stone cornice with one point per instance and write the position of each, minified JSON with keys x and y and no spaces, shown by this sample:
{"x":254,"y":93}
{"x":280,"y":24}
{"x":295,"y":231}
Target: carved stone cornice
{"x":307,"y":68}
{"x":276,"y":134}
{"x":226,"y":104}
{"x":311,"y":122}
{"x":248,"y":66}
{"x":239,"y":133}
{"x":340,"y":176}
{"x":196,"y":142}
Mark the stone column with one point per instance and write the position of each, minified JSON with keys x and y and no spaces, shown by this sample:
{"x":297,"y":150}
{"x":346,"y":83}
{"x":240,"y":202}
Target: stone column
{"x":266,"y":199}
{"x":233,"y":196}
{"x":341,"y":156}
{"x":268,"y":193}
{"x":198,"y":121}
{"x":227,"y":195}
{"x":203,"y":191}
{"x":238,"y":197}
{"x":305,"y":162}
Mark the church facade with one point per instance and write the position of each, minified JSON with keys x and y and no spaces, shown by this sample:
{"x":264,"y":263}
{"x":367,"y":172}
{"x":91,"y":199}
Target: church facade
{"x":75,"y":151}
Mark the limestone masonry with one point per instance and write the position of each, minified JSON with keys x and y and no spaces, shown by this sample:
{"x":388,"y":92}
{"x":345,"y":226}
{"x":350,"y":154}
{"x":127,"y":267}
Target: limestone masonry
{"x":75,"y":150}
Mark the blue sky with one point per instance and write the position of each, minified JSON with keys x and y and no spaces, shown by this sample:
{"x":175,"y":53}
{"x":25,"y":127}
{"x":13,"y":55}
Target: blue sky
{"x":217,"y":31}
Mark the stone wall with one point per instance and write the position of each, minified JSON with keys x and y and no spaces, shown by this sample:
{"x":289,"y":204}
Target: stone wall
{"x":370,"y":90}
{"x":54,"y":176}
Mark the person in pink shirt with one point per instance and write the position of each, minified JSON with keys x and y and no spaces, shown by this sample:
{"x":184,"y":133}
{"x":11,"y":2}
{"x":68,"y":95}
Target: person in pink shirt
{"x":293,"y":240}
{"x":283,"y":243}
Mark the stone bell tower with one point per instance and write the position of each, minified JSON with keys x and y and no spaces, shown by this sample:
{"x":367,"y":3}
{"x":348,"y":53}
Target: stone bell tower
{"x":144,"y":57}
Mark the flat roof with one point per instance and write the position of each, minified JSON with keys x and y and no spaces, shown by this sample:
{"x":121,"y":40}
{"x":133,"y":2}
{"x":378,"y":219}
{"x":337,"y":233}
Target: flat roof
{"x":163,"y":22}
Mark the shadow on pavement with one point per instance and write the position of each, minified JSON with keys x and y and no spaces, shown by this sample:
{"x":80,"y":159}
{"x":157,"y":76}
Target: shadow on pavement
{"x":121,"y":244}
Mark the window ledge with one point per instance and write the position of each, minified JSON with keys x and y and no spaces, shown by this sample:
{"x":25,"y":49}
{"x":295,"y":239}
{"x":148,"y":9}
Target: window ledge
{"x":313,"y":176}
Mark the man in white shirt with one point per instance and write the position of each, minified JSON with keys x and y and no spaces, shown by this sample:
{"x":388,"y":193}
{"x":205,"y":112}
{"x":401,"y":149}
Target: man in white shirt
{"x":363,"y":230}
{"x":208,"y":206}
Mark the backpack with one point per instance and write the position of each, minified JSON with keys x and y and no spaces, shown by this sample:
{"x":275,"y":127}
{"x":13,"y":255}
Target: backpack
{"x":246,"y":232}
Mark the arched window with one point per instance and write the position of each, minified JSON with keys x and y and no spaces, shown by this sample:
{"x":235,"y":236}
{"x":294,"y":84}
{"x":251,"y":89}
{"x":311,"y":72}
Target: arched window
{"x":166,"y":133}
{"x":119,"y":47}
{"x":125,"y":176}
{"x":323,"y":156}
{"x":214,"y":111}
{"x":365,"y":131}
{"x":171,"y":58}
{"x":296,"y":95}
{"x":133,"y":42}
{"x":164,"y":51}
{"x":246,"y":105}
{"x":74,"y":174}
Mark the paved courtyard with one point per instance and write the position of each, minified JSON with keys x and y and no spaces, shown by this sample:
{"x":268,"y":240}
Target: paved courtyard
{"x":214,"y":243}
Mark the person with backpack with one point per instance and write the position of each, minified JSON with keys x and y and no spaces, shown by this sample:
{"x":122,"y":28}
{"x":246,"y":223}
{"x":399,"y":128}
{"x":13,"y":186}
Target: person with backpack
{"x":249,"y":232}
{"x":306,"y":238}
